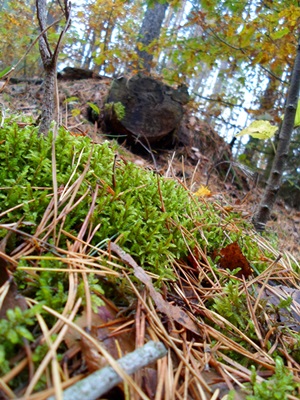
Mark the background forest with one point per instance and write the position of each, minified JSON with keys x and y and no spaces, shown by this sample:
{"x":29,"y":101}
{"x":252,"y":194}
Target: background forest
{"x":236,"y":57}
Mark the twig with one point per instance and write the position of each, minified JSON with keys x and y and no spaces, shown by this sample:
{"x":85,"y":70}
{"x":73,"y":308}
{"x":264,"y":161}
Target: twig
{"x":100,"y":382}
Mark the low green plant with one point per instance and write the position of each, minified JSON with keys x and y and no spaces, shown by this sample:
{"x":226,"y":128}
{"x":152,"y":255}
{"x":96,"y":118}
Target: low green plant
{"x":146,"y":213}
{"x":118,"y":108}
{"x":277,"y":387}
{"x":232,"y":305}
{"x":13,"y":331}
{"x":95,"y":289}
{"x":95,"y":110}
{"x":146,"y":216}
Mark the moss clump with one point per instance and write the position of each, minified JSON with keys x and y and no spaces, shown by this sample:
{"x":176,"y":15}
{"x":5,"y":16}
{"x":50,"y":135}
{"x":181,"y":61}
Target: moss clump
{"x":153,"y":219}
{"x":118,"y":109}
{"x":277,"y":387}
{"x":146,"y":213}
{"x":146,"y":218}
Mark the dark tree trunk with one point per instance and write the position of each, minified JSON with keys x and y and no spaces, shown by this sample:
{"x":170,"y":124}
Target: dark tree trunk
{"x":263,"y":212}
{"x":150,"y":30}
{"x":48,"y":102}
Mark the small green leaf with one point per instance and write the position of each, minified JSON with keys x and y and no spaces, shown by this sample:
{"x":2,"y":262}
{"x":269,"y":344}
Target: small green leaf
{"x":94,"y":108}
{"x":259,"y":130}
{"x":75,"y":112}
{"x":11,"y":315}
{"x":5,"y":71}
{"x":12,"y":336}
{"x":71,"y":100}
{"x":24,"y":333}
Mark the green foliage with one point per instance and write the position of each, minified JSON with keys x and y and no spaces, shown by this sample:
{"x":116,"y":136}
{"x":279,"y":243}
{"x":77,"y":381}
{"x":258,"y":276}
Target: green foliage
{"x":52,"y":289}
{"x":95,"y":289}
{"x":13,"y":331}
{"x":17,"y":32}
{"x":232,"y":305}
{"x":132,"y":210}
{"x":5,"y":71}
{"x":285,"y":303}
{"x":145,"y":212}
{"x":297,"y":116}
{"x":94,"y":107}
{"x":277,"y":387}
{"x":118,"y":108}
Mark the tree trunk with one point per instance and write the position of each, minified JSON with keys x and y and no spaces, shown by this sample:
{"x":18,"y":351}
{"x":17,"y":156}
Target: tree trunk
{"x":49,"y":59}
{"x":150,"y":30}
{"x":48,"y":102}
{"x":263,"y":212}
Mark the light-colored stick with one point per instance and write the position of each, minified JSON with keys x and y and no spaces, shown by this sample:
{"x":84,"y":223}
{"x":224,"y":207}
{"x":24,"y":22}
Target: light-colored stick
{"x":100,"y":382}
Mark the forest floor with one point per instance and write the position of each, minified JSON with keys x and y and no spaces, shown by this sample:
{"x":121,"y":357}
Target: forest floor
{"x":194,"y":166}
{"x":213,"y":324}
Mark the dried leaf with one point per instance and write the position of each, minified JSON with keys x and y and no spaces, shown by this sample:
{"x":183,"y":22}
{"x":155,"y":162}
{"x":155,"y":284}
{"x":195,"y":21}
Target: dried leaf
{"x":123,"y":342}
{"x":94,"y":360}
{"x":231,"y":257}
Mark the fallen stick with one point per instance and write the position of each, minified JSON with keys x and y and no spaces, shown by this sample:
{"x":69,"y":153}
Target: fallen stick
{"x":100,"y":382}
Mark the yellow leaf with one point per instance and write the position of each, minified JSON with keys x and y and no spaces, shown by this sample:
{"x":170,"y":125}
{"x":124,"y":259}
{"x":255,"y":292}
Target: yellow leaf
{"x":297,"y":116}
{"x":75,"y":112}
{"x":203,"y":191}
{"x":259,"y":130}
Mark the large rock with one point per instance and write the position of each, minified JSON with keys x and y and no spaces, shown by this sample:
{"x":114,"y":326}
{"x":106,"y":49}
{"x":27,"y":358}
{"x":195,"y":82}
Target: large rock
{"x":152,"y":110}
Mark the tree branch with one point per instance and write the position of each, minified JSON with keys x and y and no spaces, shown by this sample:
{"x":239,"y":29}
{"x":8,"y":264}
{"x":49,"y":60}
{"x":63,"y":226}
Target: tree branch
{"x":100,"y":382}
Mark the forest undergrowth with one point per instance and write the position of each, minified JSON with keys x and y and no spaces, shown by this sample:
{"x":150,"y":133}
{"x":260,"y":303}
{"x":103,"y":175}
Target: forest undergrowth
{"x":100,"y":256}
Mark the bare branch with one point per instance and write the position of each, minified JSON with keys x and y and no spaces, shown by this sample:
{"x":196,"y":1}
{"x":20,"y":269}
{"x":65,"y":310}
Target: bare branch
{"x":100,"y":382}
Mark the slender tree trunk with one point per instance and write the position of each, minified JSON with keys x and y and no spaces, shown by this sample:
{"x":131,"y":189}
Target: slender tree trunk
{"x":49,"y":59}
{"x":48,"y":103}
{"x":150,"y":30}
{"x":263,"y":212}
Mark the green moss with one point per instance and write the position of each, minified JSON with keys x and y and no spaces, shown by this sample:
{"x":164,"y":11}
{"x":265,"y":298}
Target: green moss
{"x":144,"y":212}
{"x":153,"y":219}
{"x":277,"y":387}
{"x":128,"y":206}
{"x":118,"y":108}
